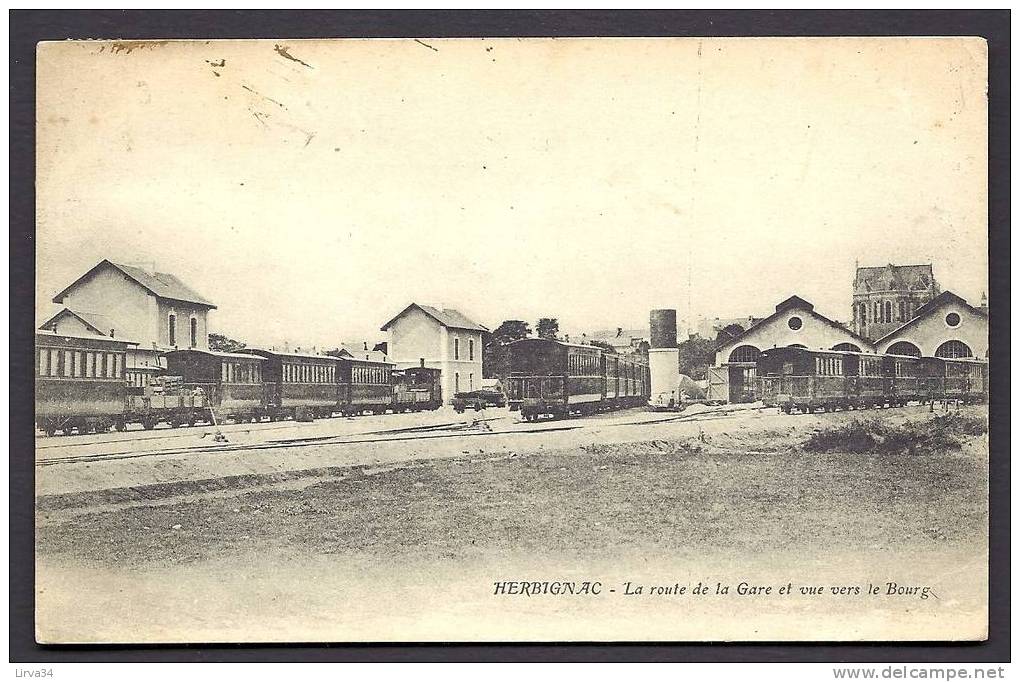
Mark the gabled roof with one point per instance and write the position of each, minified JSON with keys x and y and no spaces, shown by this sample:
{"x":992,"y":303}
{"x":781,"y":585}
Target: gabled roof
{"x":41,"y":334}
{"x":929,"y":308}
{"x":794,"y":303}
{"x":160,"y":284}
{"x":100,"y":324}
{"x":448,"y":317}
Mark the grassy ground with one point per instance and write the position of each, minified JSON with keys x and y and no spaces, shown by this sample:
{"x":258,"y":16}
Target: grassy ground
{"x":783,"y":491}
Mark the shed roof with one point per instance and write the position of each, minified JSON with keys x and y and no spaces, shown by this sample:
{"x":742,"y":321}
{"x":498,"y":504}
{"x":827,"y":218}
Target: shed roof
{"x":448,"y":317}
{"x":160,"y":284}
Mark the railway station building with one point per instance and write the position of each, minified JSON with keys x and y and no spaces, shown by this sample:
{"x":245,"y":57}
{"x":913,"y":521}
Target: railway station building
{"x":155,"y":310}
{"x":794,"y":323}
{"x":945,"y":327}
{"x":441,"y":338}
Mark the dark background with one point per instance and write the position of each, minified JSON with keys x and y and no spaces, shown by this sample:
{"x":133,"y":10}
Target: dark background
{"x":29,"y":27}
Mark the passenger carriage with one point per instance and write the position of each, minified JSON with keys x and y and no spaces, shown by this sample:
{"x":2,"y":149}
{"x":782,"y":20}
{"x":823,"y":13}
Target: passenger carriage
{"x":79,"y":383}
{"x":549,"y":377}
{"x":555,"y":378}
{"x":793,"y":377}
{"x":804,"y":379}
{"x":364,"y":386}
{"x":298,"y":383}
{"x":228,"y":384}
{"x":964,"y":379}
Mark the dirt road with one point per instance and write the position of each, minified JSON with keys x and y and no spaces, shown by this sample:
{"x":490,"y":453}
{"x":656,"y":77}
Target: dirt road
{"x":397,"y":536}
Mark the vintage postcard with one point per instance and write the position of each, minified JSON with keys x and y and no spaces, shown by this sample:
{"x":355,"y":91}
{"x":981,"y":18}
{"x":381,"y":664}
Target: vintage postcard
{"x":498,"y":340}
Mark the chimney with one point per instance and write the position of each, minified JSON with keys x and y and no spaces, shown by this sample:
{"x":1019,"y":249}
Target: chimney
{"x":422,"y":362}
{"x":366,"y":344}
{"x":111,"y":332}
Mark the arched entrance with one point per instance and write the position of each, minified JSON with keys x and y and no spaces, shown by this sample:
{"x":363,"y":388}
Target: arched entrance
{"x":954,"y":349}
{"x":847,"y":347}
{"x":742,"y":364}
{"x":904,"y":348}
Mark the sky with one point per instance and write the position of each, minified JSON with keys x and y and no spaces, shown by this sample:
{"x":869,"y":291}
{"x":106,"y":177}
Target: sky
{"x":312,"y":189}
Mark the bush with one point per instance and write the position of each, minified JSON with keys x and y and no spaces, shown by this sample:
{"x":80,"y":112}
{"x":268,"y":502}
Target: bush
{"x":941,"y":432}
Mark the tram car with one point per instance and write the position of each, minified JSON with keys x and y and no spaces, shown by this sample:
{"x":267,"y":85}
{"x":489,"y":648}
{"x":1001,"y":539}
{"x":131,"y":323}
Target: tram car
{"x":963,"y":379}
{"x":82,"y":386}
{"x":549,"y":377}
{"x":297,"y":384}
{"x":798,"y":378}
{"x":364,"y":386}
{"x":230,"y":383}
{"x":79,"y":382}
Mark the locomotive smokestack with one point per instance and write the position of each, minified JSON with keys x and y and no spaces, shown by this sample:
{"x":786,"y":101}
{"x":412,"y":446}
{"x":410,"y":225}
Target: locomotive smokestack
{"x":664,"y":358}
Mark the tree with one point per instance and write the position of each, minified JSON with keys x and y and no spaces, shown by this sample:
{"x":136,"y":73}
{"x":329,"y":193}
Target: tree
{"x":547,"y":327}
{"x":224,"y":344}
{"x":728,"y":333}
{"x":495,"y":354}
{"x":599,"y":343}
{"x":696,"y":356}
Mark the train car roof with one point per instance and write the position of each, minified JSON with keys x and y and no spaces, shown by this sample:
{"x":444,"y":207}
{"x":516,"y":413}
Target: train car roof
{"x":363,"y":361}
{"x":84,"y":337}
{"x":288,"y":354}
{"x":557,"y":342}
{"x":973,"y":361}
{"x":863,"y":354}
{"x":220,"y":354}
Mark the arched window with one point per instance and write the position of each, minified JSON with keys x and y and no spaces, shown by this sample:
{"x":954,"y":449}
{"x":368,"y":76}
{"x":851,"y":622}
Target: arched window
{"x":904,"y":348}
{"x":172,"y":329}
{"x":456,"y":349}
{"x":745,"y":354}
{"x":875,"y":315}
{"x":852,"y":348}
{"x":471,"y":349}
{"x":954,"y":349}
{"x":194,"y":332}
{"x":888,"y":311}
{"x":902,"y":310}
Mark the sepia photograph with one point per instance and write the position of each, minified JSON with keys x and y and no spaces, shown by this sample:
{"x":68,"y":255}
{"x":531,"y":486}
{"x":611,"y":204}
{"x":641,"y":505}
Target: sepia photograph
{"x":512,"y":340}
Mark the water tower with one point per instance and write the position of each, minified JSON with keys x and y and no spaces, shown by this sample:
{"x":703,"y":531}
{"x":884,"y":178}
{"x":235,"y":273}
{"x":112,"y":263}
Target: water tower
{"x":664,"y":357}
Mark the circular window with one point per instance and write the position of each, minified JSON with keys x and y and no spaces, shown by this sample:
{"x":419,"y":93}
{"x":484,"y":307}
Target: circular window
{"x":953,"y":319}
{"x":795,"y":323}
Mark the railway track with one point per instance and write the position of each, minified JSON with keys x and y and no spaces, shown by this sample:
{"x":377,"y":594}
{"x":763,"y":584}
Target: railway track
{"x":313,"y":441}
{"x":428,"y":432}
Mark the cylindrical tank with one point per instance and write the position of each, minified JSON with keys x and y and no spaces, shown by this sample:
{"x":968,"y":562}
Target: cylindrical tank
{"x":663,"y":328}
